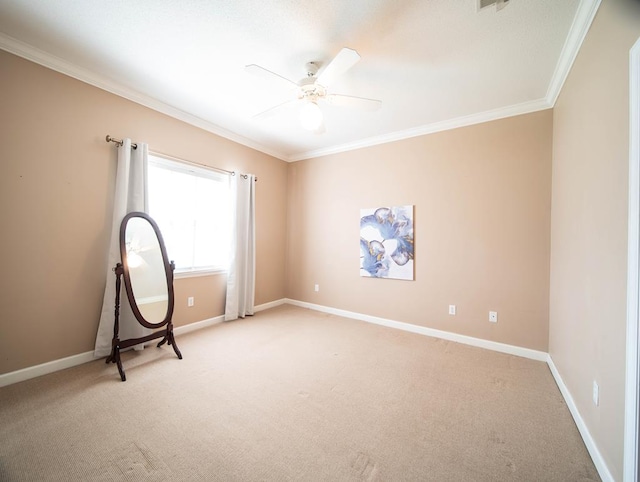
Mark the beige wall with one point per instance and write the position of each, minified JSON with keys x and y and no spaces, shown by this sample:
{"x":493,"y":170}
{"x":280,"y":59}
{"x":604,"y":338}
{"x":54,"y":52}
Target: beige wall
{"x":482,"y":219}
{"x":56,"y":188}
{"x":589,"y":225}
{"x":492,"y":231}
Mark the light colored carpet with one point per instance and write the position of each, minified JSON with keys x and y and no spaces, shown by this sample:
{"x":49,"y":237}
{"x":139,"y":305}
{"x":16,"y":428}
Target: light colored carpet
{"x":293,"y":394}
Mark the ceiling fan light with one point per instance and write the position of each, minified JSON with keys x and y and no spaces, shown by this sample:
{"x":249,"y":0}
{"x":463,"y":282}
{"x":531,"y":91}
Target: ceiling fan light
{"x":310,"y":116}
{"x":134,"y":260}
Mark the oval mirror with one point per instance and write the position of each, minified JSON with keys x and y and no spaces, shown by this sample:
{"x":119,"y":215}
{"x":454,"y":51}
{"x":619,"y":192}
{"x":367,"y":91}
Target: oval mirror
{"x":148,"y":275}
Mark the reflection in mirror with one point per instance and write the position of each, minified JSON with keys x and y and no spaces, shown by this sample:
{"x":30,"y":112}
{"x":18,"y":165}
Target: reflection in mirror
{"x":146,"y":270}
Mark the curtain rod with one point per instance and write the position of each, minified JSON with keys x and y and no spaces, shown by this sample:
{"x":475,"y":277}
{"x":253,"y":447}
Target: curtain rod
{"x":120,"y":143}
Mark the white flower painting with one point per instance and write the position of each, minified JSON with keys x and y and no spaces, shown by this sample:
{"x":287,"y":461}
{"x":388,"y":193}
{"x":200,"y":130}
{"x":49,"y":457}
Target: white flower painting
{"x":386,"y":242}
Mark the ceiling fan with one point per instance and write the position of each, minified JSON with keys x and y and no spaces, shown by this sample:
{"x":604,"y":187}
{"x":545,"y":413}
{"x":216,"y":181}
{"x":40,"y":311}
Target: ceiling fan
{"x":313,"y":89}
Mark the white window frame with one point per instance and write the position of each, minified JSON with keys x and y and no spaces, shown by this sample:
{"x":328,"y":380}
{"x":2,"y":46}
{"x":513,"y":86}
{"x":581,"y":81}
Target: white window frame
{"x":185,"y":167}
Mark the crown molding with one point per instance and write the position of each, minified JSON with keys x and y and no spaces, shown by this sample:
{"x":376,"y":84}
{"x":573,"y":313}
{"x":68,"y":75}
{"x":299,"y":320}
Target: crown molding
{"x":580,"y":26}
{"x":490,"y":115}
{"x":581,"y":23}
{"x":52,"y":62}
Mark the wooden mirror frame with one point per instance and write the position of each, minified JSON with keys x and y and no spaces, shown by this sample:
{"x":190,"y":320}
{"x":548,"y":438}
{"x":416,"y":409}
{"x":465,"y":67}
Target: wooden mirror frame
{"x":168,"y":270}
{"x":122,"y":269}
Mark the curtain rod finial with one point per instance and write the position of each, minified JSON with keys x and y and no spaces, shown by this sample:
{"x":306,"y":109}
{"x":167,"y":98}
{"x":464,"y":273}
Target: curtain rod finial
{"x":118,"y":142}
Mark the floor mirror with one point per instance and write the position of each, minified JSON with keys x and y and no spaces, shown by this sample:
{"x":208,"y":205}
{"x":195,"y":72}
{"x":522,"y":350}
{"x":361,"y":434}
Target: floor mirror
{"x":148,"y":280}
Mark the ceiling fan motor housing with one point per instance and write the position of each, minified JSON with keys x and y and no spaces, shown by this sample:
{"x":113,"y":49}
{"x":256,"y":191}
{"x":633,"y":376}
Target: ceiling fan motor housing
{"x":310,"y":89}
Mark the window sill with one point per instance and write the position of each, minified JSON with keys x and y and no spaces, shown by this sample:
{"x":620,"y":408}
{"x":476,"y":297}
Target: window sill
{"x":195,"y":273}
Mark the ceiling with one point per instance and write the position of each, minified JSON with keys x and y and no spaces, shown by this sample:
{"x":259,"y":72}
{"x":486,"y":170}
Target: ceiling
{"x":434,"y":64}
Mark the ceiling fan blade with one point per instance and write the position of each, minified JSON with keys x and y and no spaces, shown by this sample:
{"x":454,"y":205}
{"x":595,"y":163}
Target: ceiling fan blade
{"x":272,"y":110}
{"x":342,"y":62}
{"x":268,"y":75}
{"x":354,"y":102}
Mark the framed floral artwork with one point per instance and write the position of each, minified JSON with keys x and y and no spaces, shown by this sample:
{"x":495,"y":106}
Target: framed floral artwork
{"x":386,"y":242}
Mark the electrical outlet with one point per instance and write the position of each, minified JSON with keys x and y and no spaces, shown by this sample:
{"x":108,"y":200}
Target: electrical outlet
{"x":493,"y":316}
{"x":316,"y":288}
{"x":190,"y":301}
{"x":452,"y":309}
{"x":596,"y":393}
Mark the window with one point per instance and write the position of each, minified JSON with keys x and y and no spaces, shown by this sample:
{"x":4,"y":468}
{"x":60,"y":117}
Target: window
{"x":192,"y":208}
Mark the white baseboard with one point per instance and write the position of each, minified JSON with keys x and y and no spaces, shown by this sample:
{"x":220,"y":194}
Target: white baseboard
{"x":596,"y":456}
{"x":198,"y":325}
{"x":422,"y":330}
{"x":601,"y":466}
{"x":45,"y":368}
{"x":271,"y":304}
{"x":71,"y":361}
{"x":75,"y":360}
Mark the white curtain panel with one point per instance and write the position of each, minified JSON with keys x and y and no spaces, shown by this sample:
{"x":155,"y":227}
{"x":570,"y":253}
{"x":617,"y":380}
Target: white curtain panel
{"x":130,"y":196}
{"x":242,"y":269}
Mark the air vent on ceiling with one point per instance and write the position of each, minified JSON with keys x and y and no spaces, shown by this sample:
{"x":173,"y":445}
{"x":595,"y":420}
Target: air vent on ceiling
{"x":500,"y":4}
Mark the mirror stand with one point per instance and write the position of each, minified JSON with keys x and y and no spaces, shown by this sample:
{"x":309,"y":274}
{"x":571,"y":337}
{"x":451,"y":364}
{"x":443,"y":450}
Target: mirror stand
{"x":117,"y":344}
